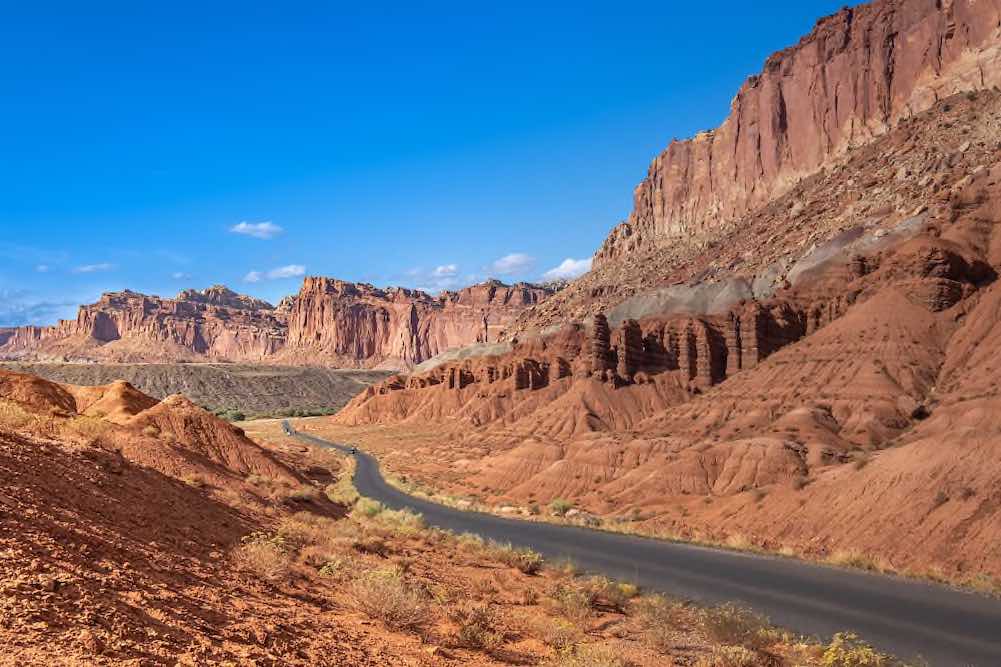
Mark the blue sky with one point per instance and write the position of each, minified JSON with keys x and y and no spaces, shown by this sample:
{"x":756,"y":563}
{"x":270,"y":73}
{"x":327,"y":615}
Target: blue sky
{"x":159,"y":146}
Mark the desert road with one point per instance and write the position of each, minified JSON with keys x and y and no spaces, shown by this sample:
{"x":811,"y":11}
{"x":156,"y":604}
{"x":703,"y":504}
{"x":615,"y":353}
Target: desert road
{"x":911,"y":619}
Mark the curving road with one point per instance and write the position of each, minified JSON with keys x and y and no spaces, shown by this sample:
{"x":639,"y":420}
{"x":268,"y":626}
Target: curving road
{"x":911,"y":619}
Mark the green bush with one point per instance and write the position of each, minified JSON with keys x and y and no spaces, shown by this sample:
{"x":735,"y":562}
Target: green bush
{"x":560,"y":507}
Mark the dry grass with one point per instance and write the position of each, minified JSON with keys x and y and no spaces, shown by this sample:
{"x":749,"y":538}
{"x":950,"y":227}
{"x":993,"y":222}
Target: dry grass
{"x":730,"y":656}
{"x":343,"y":491}
{"x":386,"y":595}
{"x":477,"y":626}
{"x":303,"y":493}
{"x":195,"y":480}
{"x":847,"y":650}
{"x":587,"y":655}
{"x":731,"y":625}
{"x":859,"y":560}
{"x":574,"y":600}
{"x":264,"y":555}
{"x":660,"y":619}
{"x":87,"y":427}
{"x":524,"y":560}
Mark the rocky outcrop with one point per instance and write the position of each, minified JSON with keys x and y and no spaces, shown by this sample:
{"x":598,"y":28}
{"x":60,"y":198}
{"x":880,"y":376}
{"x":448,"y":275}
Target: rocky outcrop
{"x":858,"y":74}
{"x":215,"y":324}
{"x":333,"y":321}
{"x":330,"y":322}
{"x":220,"y":295}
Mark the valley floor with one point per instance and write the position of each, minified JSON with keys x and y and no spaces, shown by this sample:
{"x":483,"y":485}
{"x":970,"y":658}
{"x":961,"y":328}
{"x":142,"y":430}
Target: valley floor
{"x":419,"y":460}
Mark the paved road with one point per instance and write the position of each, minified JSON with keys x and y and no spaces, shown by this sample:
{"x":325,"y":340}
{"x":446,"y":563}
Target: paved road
{"x":908,"y":618}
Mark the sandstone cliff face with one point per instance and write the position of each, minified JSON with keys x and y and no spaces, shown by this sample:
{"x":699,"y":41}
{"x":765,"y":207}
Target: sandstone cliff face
{"x":332,"y":321}
{"x":854,"y":77}
{"x":131,"y":327}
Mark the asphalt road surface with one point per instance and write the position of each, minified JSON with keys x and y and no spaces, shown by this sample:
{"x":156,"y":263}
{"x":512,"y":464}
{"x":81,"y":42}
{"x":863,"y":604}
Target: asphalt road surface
{"x":911,"y":619}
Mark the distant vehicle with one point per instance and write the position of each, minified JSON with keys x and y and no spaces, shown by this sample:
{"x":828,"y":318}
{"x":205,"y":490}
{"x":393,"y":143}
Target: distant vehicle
{"x":354,"y":450}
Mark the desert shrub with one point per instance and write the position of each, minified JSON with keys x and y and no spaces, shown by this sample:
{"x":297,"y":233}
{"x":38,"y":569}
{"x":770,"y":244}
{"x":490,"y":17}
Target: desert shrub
{"x":610,"y":594}
{"x":471,"y":543}
{"x":534,"y":509}
{"x":366,"y":508}
{"x":847,"y":650}
{"x":860,"y":560}
{"x":194,"y":479}
{"x":371,"y":544}
{"x":861,"y":462}
{"x":658,"y":617}
{"x":566,"y":567}
{"x":524,"y":560}
{"x":732,"y":625}
{"x":332,"y":568}
{"x":14,"y":416}
{"x":573,"y":600}
{"x":265,"y":555}
{"x":169,"y":437}
{"x":151,"y":431}
{"x":477,"y":626}
{"x":343,"y":491}
{"x":402,"y":522}
{"x":387,"y":596}
{"x":556,"y":633}
{"x":560,"y":507}
{"x":304,"y":528}
{"x":231,"y":415}
{"x":587,"y":656}
{"x":730,"y":656}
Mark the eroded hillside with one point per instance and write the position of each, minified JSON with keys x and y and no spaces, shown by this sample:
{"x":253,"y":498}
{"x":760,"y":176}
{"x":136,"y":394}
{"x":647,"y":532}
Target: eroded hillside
{"x":798,"y":363}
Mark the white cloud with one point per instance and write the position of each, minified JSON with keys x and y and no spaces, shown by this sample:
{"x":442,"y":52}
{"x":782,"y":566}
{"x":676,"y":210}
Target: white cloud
{"x":42,"y":268}
{"x":516,"y":262}
{"x":258,"y":230}
{"x":20,"y":307}
{"x":94,"y":268}
{"x":290,"y":271}
{"x":568,"y":269}
{"x":442,"y":277}
{"x":180,"y":275}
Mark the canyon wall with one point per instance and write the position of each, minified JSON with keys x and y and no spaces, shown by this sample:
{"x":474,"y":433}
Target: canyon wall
{"x":337,"y":321}
{"x":330,"y":322}
{"x":856,"y":75}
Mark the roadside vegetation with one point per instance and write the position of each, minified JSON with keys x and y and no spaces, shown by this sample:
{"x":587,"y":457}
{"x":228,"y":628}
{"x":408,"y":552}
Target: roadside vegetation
{"x":561,"y":511}
{"x":466,"y":596}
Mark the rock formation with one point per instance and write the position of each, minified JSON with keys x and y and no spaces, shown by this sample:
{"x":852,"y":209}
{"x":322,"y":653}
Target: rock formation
{"x":793,"y":336}
{"x":330,"y":322}
{"x":859,"y":73}
{"x":337,"y":322}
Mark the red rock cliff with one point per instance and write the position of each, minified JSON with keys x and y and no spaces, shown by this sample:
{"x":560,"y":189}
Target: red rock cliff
{"x":128,"y":326}
{"x":851,"y":79}
{"x":332,"y":321}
